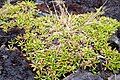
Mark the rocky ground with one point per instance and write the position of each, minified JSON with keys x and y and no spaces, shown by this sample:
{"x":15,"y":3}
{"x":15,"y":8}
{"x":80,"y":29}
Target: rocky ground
{"x":13,"y":65}
{"x":86,"y":75}
{"x":111,"y":8}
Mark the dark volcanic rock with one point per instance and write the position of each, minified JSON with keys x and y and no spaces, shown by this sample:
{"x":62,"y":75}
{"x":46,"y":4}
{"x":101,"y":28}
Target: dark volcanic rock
{"x":3,"y":37}
{"x":114,"y":40}
{"x":1,"y":4}
{"x":114,"y":77}
{"x":91,"y":3}
{"x":112,"y":9}
{"x":82,"y":75}
{"x":13,"y":66}
{"x":73,"y":6}
{"x":12,"y":33}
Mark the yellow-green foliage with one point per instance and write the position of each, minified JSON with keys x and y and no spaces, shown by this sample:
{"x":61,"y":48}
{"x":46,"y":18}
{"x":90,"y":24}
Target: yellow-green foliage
{"x":53,"y":49}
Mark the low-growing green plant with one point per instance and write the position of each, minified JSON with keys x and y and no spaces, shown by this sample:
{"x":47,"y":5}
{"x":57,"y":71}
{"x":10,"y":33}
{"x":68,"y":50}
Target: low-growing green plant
{"x":55,"y":51}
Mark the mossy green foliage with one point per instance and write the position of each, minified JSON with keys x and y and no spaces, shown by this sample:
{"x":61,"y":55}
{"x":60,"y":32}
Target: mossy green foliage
{"x":53,"y":49}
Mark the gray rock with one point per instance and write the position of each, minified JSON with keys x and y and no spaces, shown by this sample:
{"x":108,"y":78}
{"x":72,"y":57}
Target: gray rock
{"x":114,"y":40}
{"x":83,"y":75}
{"x":13,"y":66}
{"x":114,"y":77}
{"x":112,"y":9}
